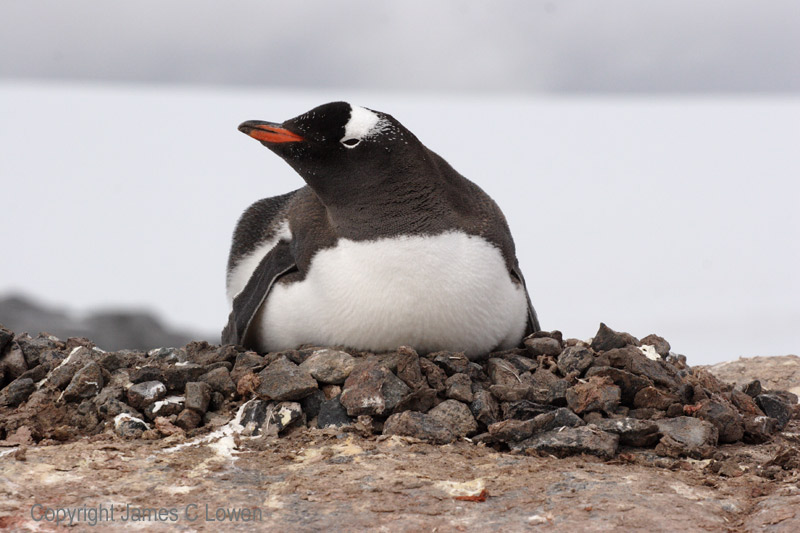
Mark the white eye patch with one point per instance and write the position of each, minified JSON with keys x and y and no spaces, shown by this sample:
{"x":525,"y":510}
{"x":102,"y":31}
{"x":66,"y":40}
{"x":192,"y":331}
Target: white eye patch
{"x":363,"y":123}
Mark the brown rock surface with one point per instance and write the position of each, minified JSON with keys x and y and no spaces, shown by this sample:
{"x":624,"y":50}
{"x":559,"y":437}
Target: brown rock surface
{"x":77,"y":453}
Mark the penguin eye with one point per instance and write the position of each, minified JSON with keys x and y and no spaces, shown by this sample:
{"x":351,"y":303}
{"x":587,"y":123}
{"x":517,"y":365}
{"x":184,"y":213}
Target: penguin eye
{"x":351,"y":143}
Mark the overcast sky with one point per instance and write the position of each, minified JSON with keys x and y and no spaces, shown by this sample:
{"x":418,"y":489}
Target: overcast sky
{"x":446,"y":45}
{"x":674,"y":213}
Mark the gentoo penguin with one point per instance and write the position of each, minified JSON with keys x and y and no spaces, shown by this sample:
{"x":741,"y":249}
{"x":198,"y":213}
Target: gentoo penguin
{"x":386,"y":245}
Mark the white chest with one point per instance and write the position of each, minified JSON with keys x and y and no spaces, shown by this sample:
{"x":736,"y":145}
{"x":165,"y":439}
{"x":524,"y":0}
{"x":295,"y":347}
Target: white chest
{"x":446,"y":292}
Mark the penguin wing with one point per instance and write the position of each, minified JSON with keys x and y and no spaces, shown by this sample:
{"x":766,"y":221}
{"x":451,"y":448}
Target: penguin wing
{"x":276,"y":263}
{"x":533,"y":320}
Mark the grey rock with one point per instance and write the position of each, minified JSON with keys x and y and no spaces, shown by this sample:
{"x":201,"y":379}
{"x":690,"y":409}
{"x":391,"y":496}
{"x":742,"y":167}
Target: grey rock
{"x":484,"y":407}
{"x":575,"y":359}
{"x":632,"y":432}
{"x":171,"y":405}
{"x":333,"y":414}
{"x":686,"y":436}
{"x":254,"y":417}
{"x":220,"y":381}
{"x":456,"y":416}
{"x":459,"y":387}
{"x":111,"y":407}
{"x":372,"y":389}
{"x":724,"y":417}
{"x":197,"y":396}
{"x":6,"y":335}
{"x":33,"y":348}
{"x":178,"y":375}
{"x":112,"y":361}
{"x":126,"y":425}
{"x":660,"y":344}
{"x":87,"y":382}
{"x":312,"y":403}
{"x":502,"y":372}
{"x":168,"y":355}
{"x":607,"y":339}
{"x":37,"y":373}
{"x":557,"y":392}
{"x":285,"y":414}
{"x":752,"y":388}
{"x":775,"y":407}
{"x":758,"y":429}
{"x":329,"y":366}
{"x":419,"y":400}
{"x":521,"y":363}
{"x":511,"y":430}
{"x":558,"y":418}
{"x":571,"y":441}
{"x":17,"y":392}
{"x":543,"y":346}
{"x":147,"y":373}
{"x":518,"y":430}
{"x":524,"y":409}
{"x":143,"y":394}
{"x":13,"y":362}
{"x":419,"y":425}
{"x":247,"y":362}
{"x":283,"y":380}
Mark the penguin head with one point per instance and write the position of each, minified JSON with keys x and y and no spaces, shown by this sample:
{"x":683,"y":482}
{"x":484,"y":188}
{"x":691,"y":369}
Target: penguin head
{"x":337,"y":147}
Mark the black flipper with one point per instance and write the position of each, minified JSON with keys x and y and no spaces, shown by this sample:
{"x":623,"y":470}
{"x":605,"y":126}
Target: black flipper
{"x":533,"y":320}
{"x":276,"y":263}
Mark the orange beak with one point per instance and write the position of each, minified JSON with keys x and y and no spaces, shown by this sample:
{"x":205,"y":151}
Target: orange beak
{"x":268,"y":132}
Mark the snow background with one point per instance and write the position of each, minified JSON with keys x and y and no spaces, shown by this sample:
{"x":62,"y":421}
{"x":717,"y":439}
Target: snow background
{"x":645,"y":154}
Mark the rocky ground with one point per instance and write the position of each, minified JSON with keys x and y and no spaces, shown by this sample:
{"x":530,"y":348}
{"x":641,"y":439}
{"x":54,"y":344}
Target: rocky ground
{"x":616,"y":433}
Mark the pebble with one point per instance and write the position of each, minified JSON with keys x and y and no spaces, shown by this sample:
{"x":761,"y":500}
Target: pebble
{"x":332,"y":414}
{"x":459,"y":387}
{"x":87,"y":382}
{"x":456,"y":416}
{"x":571,"y":441}
{"x":575,"y":359}
{"x":654,"y":398}
{"x":329,"y":366}
{"x":189,"y":419}
{"x":725,"y":418}
{"x":419,"y":425}
{"x":597,"y":394}
{"x":607,"y":339}
{"x":685,"y":436}
{"x":543,"y":346}
{"x":197,"y":396}
{"x":632,"y":432}
{"x":409,"y":369}
{"x":126,"y":425}
{"x":284,"y":380}
{"x":220,"y":381}
{"x":484,"y":407}
{"x":372,"y":389}
{"x":775,"y":407}
{"x":17,"y":392}
{"x":143,"y":394}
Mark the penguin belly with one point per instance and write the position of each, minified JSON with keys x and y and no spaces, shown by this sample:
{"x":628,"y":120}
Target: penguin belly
{"x":450,"y":291}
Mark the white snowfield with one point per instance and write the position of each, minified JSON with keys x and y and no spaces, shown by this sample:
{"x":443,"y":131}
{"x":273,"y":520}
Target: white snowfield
{"x":675,"y":215}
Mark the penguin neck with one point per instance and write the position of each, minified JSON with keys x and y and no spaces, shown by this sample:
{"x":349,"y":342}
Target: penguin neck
{"x":391,"y":207}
